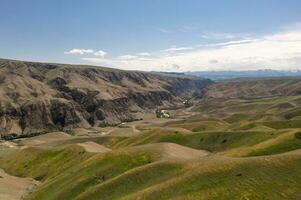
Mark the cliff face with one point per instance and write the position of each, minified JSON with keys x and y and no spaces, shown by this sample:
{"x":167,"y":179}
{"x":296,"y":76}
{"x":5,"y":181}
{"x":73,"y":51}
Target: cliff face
{"x":37,"y":97}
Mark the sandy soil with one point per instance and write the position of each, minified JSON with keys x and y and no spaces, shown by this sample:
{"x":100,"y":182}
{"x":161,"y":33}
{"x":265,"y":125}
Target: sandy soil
{"x":7,"y":148}
{"x":173,"y":151}
{"x":13,"y":188}
{"x":94,"y":147}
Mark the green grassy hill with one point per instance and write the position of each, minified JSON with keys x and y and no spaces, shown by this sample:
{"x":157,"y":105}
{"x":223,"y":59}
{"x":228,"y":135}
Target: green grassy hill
{"x":72,"y":173}
{"x":226,"y":147}
{"x":67,"y":172}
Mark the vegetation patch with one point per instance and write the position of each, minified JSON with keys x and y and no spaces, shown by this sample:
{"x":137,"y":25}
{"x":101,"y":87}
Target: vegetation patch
{"x":14,"y":136}
{"x":283,"y":124}
{"x":67,"y":172}
{"x":284,"y":146}
{"x":298,"y":135}
{"x":211,"y":141}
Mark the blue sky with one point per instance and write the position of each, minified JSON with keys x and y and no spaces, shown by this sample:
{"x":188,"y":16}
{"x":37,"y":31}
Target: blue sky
{"x":168,"y":35}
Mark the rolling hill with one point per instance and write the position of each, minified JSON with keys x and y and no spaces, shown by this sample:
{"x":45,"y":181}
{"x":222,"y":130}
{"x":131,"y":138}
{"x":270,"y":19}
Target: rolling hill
{"x":240,"y":139}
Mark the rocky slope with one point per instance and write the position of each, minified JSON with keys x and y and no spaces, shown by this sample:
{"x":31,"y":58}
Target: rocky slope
{"x":38,"y":97}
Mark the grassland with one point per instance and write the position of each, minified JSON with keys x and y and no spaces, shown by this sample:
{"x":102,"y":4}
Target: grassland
{"x":72,"y":173}
{"x":240,"y":146}
{"x":67,"y":172}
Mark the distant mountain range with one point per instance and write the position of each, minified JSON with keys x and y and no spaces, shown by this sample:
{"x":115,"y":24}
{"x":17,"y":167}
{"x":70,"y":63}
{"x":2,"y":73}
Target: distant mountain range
{"x":222,"y":75}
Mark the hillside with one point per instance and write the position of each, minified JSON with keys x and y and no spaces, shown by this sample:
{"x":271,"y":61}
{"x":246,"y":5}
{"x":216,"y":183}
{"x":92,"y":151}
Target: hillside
{"x":40,"y":97}
{"x":255,"y":88}
{"x":241,"y":140}
{"x":226,"y":75}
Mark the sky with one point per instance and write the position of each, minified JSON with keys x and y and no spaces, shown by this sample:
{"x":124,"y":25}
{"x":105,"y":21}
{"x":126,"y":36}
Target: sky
{"x":154,"y":35}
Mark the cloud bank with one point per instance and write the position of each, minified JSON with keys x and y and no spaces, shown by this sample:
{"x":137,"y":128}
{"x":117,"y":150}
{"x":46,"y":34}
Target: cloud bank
{"x":280,"y":51}
{"x":79,"y":51}
{"x":99,"y":53}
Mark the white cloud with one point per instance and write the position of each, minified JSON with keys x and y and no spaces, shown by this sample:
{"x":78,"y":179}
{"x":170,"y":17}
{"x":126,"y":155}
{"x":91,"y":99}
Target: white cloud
{"x":281,"y":50}
{"x":127,"y":57}
{"x":223,"y":36}
{"x":144,"y":54}
{"x":175,"y":48}
{"x":228,"y":43}
{"x":79,"y":51}
{"x":100,"y":54}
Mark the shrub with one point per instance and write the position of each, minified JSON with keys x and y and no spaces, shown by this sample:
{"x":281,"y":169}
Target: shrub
{"x":298,"y":135}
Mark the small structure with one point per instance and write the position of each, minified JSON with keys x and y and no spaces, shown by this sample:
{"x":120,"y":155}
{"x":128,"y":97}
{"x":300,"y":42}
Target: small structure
{"x":162,"y":114}
{"x":186,"y":103}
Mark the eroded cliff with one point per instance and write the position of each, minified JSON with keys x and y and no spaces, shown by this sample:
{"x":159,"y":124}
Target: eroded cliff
{"x":37,"y":97}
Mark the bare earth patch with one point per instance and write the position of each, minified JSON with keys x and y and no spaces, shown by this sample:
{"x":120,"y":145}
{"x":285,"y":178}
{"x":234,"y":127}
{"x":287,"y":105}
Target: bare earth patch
{"x":173,"y":151}
{"x":13,"y":188}
{"x":94,"y":147}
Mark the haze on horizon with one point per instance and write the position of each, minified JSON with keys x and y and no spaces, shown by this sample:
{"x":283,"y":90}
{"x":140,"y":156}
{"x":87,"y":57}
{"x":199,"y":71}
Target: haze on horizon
{"x":170,"y":35}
